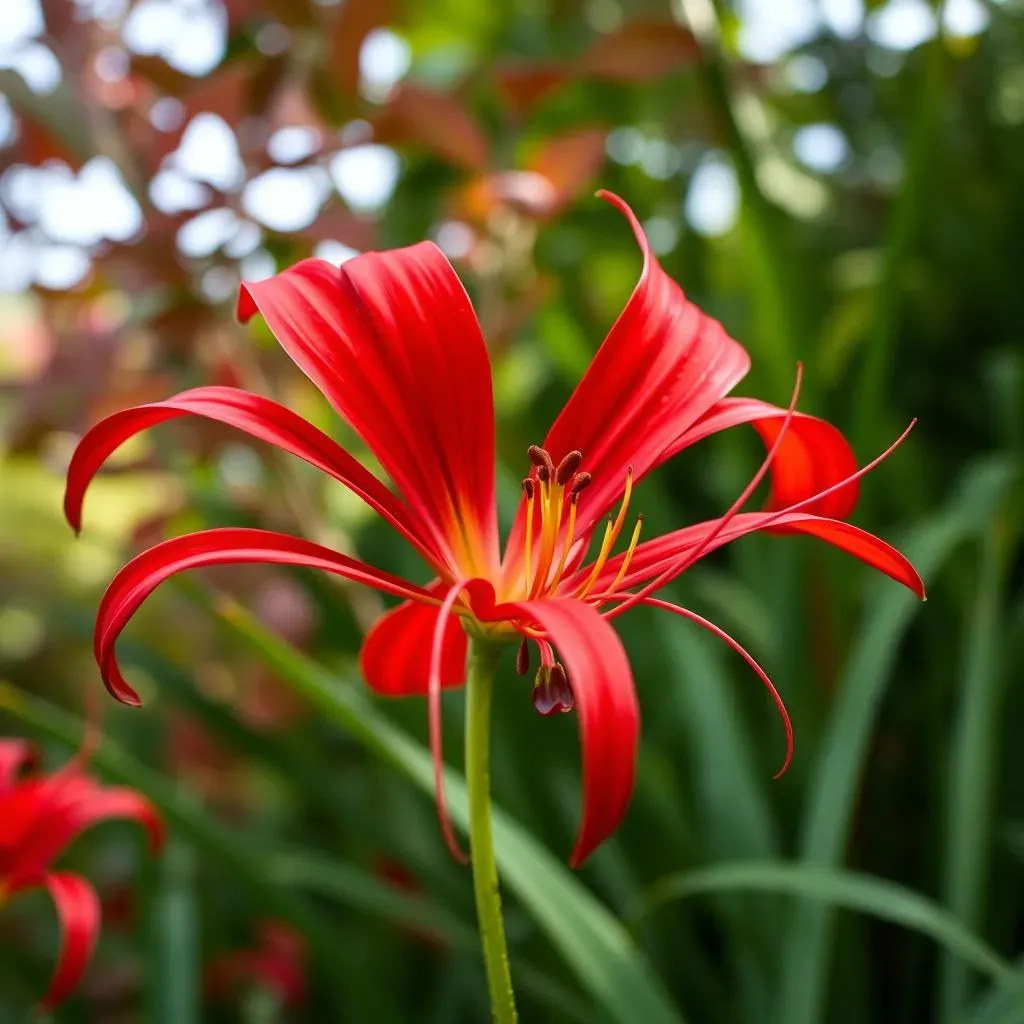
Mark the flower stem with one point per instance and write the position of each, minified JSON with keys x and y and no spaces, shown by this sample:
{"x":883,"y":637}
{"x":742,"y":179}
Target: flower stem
{"x":483,"y":659}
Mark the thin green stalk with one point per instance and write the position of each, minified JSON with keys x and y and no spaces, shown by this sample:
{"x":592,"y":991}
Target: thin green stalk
{"x":480,"y":688}
{"x":973,"y":773}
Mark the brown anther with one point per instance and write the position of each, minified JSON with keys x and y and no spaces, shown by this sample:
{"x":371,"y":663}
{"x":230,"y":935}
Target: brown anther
{"x":523,"y":658}
{"x":551,"y":691}
{"x":540,"y":458}
{"x":528,"y":488}
{"x":582,"y":480}
{"x":543,"y":474}
{"x":567,"y":467}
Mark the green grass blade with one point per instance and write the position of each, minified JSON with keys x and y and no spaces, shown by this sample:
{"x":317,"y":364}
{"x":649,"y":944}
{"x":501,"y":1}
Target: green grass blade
{"x":910,"y":208}
{"x":593,"y":943}
{"x":973,"y":774}
{"x":830,"y":802}
{"x":850,"y":890}
{"x":324,"y":877}
{"x":173,"y":979}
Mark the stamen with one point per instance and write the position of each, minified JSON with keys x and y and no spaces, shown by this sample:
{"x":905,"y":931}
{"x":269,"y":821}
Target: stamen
{"x":529,"y":490}
{"x":551,"y":691}
{"x":551,"y":518}
{"x":602,"y":557}
{"x":567,"y":467}
{"x":523,"y":658}
{"x":540,"y":458}
{"x":611,"y":533}
{"x":627,"y":556}
{"x":581,"y":480}
{"x":570,"y":536}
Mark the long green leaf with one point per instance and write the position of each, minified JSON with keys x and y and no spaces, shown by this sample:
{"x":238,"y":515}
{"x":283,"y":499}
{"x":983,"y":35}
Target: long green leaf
{"x":851,"y":890}
{"x":593,"y":943}
{"x":173,"y":981}
{"x":830,"y":802}
{"x":973,"y":772}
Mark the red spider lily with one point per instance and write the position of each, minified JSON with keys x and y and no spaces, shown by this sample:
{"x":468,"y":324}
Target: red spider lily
{"x":277,"y":964}
{"x":39,"y":817}
{"x":392,"y":342}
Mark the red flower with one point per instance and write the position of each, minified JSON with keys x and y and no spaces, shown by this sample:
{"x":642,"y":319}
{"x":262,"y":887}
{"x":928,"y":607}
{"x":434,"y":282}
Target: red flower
{"x":392,"y":342}
{"x":277,"y":964}
{"x":39,"y":817}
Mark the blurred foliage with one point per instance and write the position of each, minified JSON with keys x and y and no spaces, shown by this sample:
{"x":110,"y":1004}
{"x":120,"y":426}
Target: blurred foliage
{"x":847,"y":201}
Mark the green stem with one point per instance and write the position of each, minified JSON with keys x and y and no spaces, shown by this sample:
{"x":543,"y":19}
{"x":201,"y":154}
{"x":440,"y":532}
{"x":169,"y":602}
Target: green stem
{"x":483,"y":658}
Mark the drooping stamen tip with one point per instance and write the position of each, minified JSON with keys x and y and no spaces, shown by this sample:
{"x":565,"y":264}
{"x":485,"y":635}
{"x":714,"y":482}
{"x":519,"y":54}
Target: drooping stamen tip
{"x":543,"y":474}
{"x":529,"y":488}
{"x":582,"y":480}
{"x":523,"y":658}
{"x":552,"y":694}
{"x":567,"y":467}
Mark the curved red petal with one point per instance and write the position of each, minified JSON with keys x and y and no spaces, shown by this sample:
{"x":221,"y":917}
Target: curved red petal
{"x":813,"y":456}
{"x":663,"y":364}
{"x":441,"y":623}
{"x":394,"y":659}
{"x":141,"y":576}
{"x":254,"y":415}
{"x":392,"y":341}
{"x":602,"y":685}
{"x":14,"y":755}
{"x":78,"y":911}
{"x":74,"y":805}
{"x":659,"y":554}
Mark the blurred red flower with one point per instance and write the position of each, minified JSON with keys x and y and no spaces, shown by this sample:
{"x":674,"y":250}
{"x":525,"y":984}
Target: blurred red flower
{"x":40,"y":816}
{"x":392,"y":341}
{"x":277,"y":964}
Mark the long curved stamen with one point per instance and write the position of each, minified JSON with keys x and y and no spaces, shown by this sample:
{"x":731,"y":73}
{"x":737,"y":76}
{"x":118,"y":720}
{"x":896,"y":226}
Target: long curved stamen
{"x":656,"y":602}
{"x":686,"y":561}
{"x":690,"y":558}
{"x":611,"y":534}
{"x":434,"y":718}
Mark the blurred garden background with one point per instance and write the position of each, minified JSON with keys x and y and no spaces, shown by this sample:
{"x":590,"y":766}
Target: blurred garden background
{"x":839,"y":182}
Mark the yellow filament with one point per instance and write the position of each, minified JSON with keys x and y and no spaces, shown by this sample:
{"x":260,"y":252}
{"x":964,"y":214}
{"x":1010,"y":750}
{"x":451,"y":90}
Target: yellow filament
{"x":626,"y":495}
{"x":602,"y":557}
{"x":628,"y":555}
{"x":529,"y":538}
{"x":611,"y":534}
{"x":570,"y":534}
{"x":552,"y":513}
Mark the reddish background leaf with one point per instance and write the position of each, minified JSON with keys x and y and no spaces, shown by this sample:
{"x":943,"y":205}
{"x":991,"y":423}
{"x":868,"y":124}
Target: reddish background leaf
{"x":640,"y":51}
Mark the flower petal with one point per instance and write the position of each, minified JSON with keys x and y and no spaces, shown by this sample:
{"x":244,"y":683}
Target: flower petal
{"x":254,"y":415}
{"x":663,"y":364}
{"x":441,"y":623}
{"x":813,"y":456}
{"x":659,"y":554}
{"x":69,"y":807}
{"x":395,"y":660}
{"x":14,"y":755}
{"x":392,"y":341}
{"x":137,"y":580}
{"x":602,"y":686}
{"x":78,"y":911}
